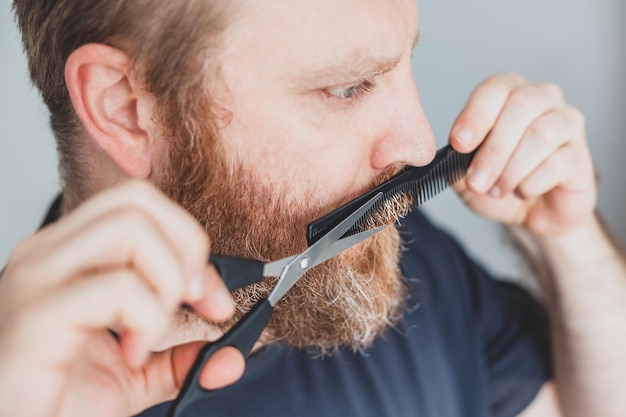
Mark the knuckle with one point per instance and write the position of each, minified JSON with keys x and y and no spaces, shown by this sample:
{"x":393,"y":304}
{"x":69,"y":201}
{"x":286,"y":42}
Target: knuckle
{"x":554,"y":90}
{"x":523,"y":99}
{"x":577,"y":116}
{"x":497,"y":83}
{"x":492,"y":155}
{"x":20,"y":251}
{"x":514,"y":78}
{"x":136,"y":292}
{"x":134,"y":220}
{"x":519,"y":78}
{"x":555,"y":166}
{"x":162,"y":280}
{"x":539,"y":135}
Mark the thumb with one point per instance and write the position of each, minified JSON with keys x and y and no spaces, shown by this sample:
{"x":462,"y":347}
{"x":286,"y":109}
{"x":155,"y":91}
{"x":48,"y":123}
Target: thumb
{"x":165,"y":373}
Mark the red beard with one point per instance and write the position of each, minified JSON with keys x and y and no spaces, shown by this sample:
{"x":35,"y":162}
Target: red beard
{"x":346,"y":301}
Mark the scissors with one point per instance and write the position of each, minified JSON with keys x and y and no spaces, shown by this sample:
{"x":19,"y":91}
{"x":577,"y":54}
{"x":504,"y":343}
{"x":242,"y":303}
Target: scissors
{"x":238,"y":272}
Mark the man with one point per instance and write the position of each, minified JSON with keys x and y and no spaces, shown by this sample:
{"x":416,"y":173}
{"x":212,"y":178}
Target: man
{"x":256,"y":118}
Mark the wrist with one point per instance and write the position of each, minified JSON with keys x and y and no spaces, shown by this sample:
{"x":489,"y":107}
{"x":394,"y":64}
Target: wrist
{"x":587,"y":244}
{"x":573,"y":256}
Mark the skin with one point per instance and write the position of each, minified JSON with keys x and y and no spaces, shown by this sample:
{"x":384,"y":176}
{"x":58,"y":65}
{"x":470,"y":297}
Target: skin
{"x":98,"y":278}
{"x":321,"y":139}
{"x":296,"y":109}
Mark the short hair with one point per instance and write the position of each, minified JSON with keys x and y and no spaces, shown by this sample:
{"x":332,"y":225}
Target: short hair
{"x":167,"y":41}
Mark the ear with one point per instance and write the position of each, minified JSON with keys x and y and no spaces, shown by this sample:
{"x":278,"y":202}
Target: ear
{"x":112,"y":106}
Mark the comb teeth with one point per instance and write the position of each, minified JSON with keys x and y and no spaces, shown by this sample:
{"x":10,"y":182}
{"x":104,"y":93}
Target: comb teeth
{"x":414,"y":185}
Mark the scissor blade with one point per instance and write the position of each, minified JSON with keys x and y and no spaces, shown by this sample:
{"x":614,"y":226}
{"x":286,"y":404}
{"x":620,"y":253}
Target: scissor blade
{"x":275,"y":268}
{"x":294,"y":270}
{"x":346,"y":243}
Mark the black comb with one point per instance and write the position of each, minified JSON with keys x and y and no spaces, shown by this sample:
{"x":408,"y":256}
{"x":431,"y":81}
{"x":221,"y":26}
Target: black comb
{"x":419,"y":184}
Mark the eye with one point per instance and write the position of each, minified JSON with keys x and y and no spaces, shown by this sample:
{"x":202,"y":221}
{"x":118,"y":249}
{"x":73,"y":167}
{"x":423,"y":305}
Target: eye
{"x":351,"y":92}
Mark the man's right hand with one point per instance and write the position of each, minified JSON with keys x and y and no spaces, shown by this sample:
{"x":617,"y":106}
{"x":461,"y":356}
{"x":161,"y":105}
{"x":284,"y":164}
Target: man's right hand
{"x":124,"y":260}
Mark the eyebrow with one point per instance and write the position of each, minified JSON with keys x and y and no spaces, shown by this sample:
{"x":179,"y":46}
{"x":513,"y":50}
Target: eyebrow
{"x":360,"y":67}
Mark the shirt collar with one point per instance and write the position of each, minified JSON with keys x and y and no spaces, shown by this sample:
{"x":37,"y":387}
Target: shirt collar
{"x":54,"y":212}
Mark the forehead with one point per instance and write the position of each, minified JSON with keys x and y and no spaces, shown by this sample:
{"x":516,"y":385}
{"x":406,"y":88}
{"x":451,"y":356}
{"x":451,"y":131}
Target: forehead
{"x":288,"y":36}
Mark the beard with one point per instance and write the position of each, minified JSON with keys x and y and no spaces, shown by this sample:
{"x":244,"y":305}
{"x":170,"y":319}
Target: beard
{"x":348,"y":300}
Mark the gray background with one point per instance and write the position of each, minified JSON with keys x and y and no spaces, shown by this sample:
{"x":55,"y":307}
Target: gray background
{"x":578,"y":43}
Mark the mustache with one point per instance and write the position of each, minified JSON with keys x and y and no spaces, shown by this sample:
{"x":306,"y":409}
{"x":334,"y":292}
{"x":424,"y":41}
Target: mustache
{"x":393,"y":208}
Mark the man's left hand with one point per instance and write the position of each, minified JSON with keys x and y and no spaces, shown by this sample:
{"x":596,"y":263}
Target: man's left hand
{"x":533,"y":167}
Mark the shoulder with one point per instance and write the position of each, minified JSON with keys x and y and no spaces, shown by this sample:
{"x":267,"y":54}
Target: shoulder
{"x":474,"y":317}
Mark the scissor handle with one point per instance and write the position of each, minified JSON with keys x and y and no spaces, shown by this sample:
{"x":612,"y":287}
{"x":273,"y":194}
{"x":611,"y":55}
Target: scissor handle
{"x":237,"y":272}
{"x":242,"y":336}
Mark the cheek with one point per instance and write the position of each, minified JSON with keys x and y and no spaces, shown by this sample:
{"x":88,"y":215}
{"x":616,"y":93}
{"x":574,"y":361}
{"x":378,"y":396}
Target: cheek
{"x":299,"y":157}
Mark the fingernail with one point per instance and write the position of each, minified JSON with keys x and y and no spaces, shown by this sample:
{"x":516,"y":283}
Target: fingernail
{"x":195,"y":291}
{"x":465,"y":136}
{"x":478,"y":179}
{"x":495,"y":191}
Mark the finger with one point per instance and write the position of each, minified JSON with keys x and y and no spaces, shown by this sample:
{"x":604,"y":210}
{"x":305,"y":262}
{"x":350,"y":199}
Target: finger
{"x":140,"y":247}
{"x":166,"y":371}
{"x":541,"y":139}
{"x":217,"y":304}
{"x":559,"y":167}
{"x":566,"y":185}
{"x":121,"y":239}
{"x":163,"y":375}
{"x":112,"y":299}
{"x":225,"y":367}
{"x":481,"y":111}
{"x":180,"y":228}
{"x":524,"y":105}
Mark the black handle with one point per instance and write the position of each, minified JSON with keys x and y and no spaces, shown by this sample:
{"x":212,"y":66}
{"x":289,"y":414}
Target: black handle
{"x":242,"y":336}
{"x":420,"y":183}
{"x":237,"y":272}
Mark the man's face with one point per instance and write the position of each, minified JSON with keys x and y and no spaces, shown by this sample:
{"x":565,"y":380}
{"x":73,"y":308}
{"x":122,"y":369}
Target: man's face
{"x":322,"y":95}
{"x":321,"y":106}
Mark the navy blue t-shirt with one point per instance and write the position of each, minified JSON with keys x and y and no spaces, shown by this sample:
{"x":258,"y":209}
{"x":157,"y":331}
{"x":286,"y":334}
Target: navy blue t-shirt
{"x":468,"y":346}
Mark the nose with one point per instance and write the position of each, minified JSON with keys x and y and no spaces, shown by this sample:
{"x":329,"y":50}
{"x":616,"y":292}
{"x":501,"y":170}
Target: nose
{"x":405,"y":136}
